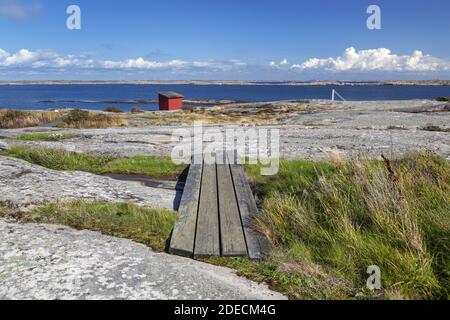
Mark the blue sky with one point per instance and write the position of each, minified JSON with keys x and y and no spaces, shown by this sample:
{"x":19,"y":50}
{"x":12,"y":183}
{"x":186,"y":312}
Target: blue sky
{"x":221,"y":40}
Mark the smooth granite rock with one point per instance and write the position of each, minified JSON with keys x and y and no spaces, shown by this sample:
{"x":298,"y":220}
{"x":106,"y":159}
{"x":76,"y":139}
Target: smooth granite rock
{"x":24,"y":185}
{"x":55,"y":262}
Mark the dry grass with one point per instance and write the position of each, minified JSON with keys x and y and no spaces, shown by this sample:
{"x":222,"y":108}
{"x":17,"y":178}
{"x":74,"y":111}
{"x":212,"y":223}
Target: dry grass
{"x":90,"y":120}
{"x":11,"y":119}
{"x":263,"y":114}
{"x":206,"y":117}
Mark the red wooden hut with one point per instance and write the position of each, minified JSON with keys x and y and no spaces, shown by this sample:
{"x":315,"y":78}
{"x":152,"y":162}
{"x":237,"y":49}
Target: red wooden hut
{"x":169,"y":101}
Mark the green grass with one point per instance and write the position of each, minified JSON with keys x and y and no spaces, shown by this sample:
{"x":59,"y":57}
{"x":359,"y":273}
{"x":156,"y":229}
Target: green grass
{"x":59,"y":159}
{"x":151,"y":227}
{"x":443,"y":99}
{"x":327,"y":222}
{"x":146,"y":165}
{"x":294,"y":176}
{"x":44,"y":137}
{"x":63,"y":160}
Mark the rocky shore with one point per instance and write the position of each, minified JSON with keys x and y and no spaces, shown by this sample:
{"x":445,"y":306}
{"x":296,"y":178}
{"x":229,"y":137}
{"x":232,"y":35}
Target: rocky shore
{"x":310,"y":130}
{"x":200,"y":82}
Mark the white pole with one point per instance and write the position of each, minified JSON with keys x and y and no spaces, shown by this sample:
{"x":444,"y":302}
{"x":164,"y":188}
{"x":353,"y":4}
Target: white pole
{"x":334,"y":94}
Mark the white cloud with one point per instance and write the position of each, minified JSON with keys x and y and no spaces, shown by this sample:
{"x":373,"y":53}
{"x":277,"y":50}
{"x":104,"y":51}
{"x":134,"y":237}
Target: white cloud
{"x":140,"y":63}
{"x":180,"y":65}
{"x":15,"y":9}
{"x":22,"y":57}
{"x":3,"y":54}
{"x":276,"y":65}
{"x":366,"y":64}
{"x":25,"y":58}
{"x":371,"y":60}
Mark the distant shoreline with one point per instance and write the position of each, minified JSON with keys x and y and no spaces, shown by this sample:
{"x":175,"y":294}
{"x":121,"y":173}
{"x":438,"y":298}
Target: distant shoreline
{"x":242,"y":83}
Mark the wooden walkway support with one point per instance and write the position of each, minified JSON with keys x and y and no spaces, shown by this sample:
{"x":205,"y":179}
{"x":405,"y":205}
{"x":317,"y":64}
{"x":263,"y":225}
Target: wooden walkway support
{"x":216,"y":212}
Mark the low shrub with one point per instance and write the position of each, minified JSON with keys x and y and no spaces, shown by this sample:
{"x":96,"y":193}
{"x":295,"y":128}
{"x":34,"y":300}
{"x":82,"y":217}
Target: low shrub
{"x":84,"y":119}
{"x":137,"y":110}
{"x":11,"y":119}
{"x":113,"y":110}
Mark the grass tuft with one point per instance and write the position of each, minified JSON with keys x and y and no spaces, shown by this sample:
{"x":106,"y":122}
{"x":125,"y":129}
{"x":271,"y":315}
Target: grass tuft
{"x":58,"y":159}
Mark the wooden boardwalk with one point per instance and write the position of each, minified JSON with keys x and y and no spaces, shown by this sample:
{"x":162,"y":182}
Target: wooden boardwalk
{"x":216,"y":214}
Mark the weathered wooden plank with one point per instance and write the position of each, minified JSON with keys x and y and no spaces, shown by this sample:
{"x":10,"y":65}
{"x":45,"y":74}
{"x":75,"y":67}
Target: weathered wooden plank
{"x":207,"y":242}
{"x":232,"y":234}
{"x":183,"y":236}
{"x":257,"y":244}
